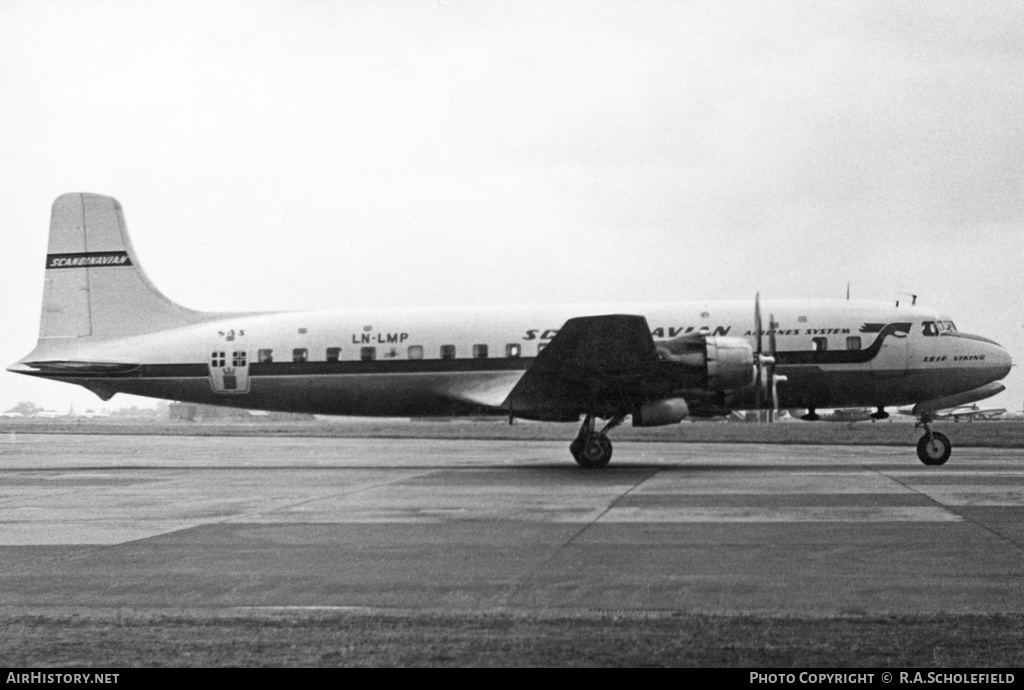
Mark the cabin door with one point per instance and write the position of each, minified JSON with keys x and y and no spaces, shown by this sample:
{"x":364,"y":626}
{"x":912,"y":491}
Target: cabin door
{"x":229,"y":370}
{"x":893,"y":358}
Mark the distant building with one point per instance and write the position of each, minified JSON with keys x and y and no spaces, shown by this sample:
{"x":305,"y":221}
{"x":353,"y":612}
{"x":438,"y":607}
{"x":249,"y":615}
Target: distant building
{"x":193,"y":412}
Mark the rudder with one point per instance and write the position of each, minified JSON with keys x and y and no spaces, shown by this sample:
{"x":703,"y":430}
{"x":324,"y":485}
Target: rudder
{"x":95,"y":286}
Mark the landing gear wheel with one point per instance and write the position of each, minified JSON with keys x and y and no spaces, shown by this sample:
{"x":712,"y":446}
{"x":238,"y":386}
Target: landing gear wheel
{"x":934,"y":448}
{"x":591,"y":450}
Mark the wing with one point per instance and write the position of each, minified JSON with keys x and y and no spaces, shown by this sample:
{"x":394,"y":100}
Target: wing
{"x":597,"y":364}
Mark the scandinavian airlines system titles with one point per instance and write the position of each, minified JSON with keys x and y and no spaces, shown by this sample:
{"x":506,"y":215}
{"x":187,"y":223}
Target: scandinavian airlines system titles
{"x":673,"y":331}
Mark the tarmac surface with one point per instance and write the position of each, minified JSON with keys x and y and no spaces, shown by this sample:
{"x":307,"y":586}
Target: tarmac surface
{"x":174,"y":522}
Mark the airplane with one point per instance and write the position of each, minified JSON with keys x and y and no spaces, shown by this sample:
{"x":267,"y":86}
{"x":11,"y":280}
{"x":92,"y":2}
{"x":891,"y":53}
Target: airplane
{"x":968,"y":412}
{"x":106,"y":327}
{"x":851,"y":415}
{"x":972,"y":412}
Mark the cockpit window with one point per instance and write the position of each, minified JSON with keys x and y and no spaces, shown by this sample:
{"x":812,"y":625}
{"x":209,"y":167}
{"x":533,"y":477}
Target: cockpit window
{"x":938,"y":327}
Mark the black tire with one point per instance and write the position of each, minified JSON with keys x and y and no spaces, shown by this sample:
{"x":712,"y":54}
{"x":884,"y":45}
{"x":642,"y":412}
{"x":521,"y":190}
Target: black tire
{"x":934,"y":448}
{"x":592,"y":450}
{"x":576,"y":447}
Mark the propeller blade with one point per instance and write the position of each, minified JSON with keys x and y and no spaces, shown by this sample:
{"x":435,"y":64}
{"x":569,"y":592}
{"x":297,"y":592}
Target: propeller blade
{"x":771,"y":378}
{"x":776,"y":380}
{"x":775,"y":398}
{"x":759,"y":382}
{"x":757,"y":321}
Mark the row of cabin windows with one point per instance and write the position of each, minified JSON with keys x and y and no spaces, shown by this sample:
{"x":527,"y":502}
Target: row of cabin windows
{"x":300,"y":355}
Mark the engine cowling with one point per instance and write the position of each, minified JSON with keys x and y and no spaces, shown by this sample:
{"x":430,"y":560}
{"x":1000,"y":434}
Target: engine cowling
{"x":715,"y":363}
{"x":661,"y":412}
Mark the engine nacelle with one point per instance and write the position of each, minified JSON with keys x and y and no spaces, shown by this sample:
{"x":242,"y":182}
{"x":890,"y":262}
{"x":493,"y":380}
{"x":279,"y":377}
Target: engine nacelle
{"x":722,"y":362}
{"x":661,"y":412}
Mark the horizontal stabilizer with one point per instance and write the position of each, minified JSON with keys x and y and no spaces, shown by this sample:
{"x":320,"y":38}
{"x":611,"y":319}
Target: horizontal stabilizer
{"x":76,"y":368}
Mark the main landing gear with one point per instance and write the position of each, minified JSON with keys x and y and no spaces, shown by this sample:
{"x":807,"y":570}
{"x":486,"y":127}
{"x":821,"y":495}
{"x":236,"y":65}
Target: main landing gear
{"x":591,"y":448}
{"x":933,"y":448}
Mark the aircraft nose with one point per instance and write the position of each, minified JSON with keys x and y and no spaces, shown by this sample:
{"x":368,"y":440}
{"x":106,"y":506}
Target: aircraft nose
{"x":997,"y":362}
{"x":980,"y":359}
{"x":1001,"y":359}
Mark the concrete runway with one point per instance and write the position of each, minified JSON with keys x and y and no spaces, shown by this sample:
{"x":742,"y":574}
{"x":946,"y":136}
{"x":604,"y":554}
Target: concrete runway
{"x":151,"y":522}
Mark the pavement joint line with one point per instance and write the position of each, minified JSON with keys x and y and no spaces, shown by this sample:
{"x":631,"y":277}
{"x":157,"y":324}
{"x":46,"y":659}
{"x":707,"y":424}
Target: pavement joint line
{"x":354,"y":490}
{"x":965,"y":518}
{"x":513,"y":590}
{"x":232,"y":519}
{"x":71,"y":490}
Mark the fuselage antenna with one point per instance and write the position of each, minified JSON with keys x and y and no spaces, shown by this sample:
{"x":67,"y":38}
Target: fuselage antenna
{"x":913,"y":298}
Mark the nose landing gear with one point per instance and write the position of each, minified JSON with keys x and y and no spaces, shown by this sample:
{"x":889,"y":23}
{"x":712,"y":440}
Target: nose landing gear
{"x":933,"y":448}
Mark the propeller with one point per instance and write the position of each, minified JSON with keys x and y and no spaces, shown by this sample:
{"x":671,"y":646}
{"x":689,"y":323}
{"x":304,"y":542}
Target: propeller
{"x":758,"y":358}
{"x":766,"y":376}
{"x":776,"y":379}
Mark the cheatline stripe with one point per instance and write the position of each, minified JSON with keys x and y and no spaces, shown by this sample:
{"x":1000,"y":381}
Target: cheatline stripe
{"x":425,"y":366}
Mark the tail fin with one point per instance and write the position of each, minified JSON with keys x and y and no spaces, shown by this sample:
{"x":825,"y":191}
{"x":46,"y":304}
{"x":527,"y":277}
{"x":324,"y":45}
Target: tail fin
{"x":94,"y":284}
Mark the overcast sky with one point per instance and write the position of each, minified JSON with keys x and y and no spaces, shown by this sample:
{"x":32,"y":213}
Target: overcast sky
{"x":279,"y":155}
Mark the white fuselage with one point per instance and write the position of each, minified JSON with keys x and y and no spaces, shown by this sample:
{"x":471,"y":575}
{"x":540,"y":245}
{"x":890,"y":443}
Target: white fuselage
{"x":406,"y":362}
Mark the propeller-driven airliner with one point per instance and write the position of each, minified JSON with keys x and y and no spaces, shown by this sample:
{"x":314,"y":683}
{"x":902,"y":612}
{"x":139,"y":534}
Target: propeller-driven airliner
{"x":106,"y":327}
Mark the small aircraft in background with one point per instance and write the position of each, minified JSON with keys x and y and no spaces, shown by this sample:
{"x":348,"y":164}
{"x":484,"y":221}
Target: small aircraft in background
{"x":106,"y":327}
{"x":852,"y":414}
{"x":964,"y":412}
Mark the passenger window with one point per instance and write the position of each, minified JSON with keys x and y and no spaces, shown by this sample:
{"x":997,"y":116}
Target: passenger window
{"x":480,"y":351}
{"x":239,"y":358}
{"x":415,"y":352}
{"x":447,"y":352}
{"x":930,"y":329}
{"x":820,"y":344}
{"x":300,"y":355}
{"x":333,"y":354}
{"x":513,"y":350}
{"x":367,"y":354}
{"x":853,"y":342}
{"x":265,"y":356}
{"x":217,"y":359}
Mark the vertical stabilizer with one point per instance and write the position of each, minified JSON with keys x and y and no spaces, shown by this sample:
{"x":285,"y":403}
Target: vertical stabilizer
{"x":95,"y":286}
